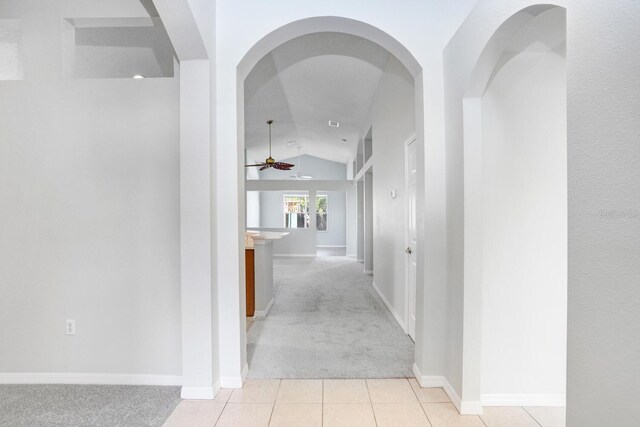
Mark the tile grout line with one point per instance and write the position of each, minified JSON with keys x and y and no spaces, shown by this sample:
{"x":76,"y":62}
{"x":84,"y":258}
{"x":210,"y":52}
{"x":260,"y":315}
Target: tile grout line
{"x":482,"y":420}
{"x":419,"y":402}
{"x":273,"y":405}
{"x":534,"y":418}
{"x":375,"y":420}
{"x":322,"y":406}
{"x":223,"y":408}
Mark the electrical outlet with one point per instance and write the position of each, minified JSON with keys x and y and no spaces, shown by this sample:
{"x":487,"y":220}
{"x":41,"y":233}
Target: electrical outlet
{"x":71,"y":327}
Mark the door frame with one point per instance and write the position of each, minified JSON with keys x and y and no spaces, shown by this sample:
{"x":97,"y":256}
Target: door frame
{"x":407,"y":261}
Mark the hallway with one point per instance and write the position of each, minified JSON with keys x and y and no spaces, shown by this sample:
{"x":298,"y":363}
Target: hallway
{"x":327,"y":322}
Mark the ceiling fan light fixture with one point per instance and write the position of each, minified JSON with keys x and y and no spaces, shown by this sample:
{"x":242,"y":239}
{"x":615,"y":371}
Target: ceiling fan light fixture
{"x":334,"y":123}
{"x":270,"y":162}
{"x":299,"y":174}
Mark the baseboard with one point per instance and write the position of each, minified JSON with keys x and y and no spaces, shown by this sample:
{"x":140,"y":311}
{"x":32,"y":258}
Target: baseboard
{"x":393,"y":312}
{"x":235,"y":382}
{"x":523,"y":399}
{"x":465,"y":408}
{"x":88,"y":378}
{"x":351,"y":255}
{"x":330,"y":246}
{"x":359,"y":260}
{"x":263,"y":313}
{"x":199,"y":393}
{"x":295,"y":255}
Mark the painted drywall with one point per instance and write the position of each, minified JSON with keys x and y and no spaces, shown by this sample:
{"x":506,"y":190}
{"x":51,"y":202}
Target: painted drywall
{"x":524,"y":160}
{"x":351,"y":218}
{"x":604,"y":213}
{"x":122,"y":52}
{"x":392,"y":120}
{"x":90,"y":230}
{"x":253,"y":209}
{"x":271,"y":208}
{"x":461,"y":56}
{"x":10,"y":49}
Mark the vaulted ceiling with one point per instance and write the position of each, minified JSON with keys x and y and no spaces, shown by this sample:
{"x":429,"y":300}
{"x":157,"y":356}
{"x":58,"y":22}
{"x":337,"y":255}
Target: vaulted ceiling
{"x":305,"y":83}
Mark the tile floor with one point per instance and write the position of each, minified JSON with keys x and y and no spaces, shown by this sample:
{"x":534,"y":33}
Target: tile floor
{"x":348,"y":403}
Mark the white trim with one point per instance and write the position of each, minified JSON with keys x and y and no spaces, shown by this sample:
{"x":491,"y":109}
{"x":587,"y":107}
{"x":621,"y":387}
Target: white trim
{"x":407,"y":238}
{"x":469,"y":407}
{"x":88,"y":378}
{"x":235,"y":382}
{"x":367,"y":165}
{"x":393,"y":312}
{"x":330,"y":246}
{"x":199,"y":393}
{"x":465,"y":408}
{"x":523,"y":399}
{"x":263,"y":313}
{"x":360,"y":259}
{"x":352,"y":255}
{"x":295,"y":255}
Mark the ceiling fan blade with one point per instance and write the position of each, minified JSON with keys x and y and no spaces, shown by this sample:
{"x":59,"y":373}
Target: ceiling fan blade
{"x":257,"y":164}
{"x":282,"y":166}
{"x":264,"y":167}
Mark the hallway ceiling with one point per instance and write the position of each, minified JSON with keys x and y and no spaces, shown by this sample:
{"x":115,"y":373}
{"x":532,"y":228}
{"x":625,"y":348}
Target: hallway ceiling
{"x":303,"y":84}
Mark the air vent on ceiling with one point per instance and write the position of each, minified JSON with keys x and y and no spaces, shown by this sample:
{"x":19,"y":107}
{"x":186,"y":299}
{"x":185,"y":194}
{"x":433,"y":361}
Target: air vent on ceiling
{"x":334,"y":124}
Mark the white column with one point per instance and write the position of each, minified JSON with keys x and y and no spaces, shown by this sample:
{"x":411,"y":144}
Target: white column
{"x":195,"y":231}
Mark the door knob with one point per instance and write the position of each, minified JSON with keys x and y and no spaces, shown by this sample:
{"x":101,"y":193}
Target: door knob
{"x":408,"y":250}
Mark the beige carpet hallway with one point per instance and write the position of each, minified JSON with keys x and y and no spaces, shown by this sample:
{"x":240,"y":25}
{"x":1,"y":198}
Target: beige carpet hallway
{"x":327,"y":321}
{"x":347,"y":403}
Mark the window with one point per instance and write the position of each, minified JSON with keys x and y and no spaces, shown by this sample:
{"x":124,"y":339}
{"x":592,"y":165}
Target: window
{"x":296,"y":211}
{"x":321,"y":212}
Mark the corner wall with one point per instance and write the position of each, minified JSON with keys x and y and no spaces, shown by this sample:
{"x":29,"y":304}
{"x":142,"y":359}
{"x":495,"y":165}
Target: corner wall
{"x":604,"y":213}
{"x":524,"y":213}
{"x":392,"y":120}
{"x":90,"y":229}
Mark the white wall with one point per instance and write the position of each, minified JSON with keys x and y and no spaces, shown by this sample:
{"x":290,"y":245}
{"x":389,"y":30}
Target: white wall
{"x":89,"y":179}
{"x":270,"y":202}
{"x":351,"y":224}
{"x":604,"y":218}
{"x":122,"y":52}
{"x":392,"y":120}
{"x":524,"y":291}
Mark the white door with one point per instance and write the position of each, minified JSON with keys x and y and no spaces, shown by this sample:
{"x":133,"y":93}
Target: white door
{"x":412,"y":236}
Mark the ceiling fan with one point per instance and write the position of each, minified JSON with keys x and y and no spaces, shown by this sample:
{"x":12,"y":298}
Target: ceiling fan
{"x":299,"y":174}
{"x":270,"y":162}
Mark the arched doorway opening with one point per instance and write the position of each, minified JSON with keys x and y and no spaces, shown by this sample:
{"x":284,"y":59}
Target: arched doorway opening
{"x":515,"y":200}
{"x":236,"y":359}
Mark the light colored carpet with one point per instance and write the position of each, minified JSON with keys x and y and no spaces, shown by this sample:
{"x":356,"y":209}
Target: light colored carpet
{"x":327,"y":322}
{"x":86,"y":405}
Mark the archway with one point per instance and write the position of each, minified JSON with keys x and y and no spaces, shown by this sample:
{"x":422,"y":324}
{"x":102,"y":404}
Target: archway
{"x":233,"y":359}
{"x":515,"y":236}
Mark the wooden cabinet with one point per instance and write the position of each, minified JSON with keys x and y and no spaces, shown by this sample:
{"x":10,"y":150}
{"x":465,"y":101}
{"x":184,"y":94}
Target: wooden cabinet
{"x":250,"y":281}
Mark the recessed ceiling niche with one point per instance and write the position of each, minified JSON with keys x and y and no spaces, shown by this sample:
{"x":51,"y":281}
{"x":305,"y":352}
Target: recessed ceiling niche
{"x":10,"y":49}
{"x":104,"y":48}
